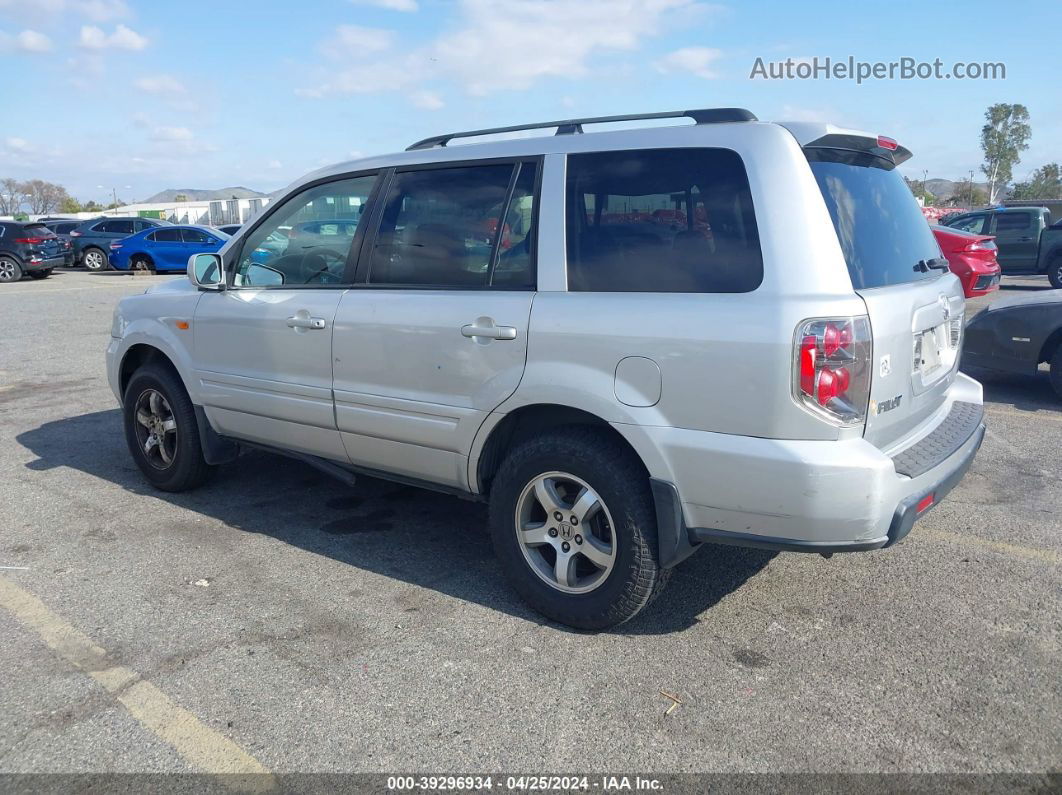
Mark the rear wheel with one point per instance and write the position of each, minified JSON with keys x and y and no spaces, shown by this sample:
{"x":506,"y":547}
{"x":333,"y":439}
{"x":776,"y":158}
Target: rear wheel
{"x":10,"y":270}
{"x":162,"y":432}
{"x":94,"y":259}
{"x":1054,"y":272}
{"x":142,"y":263}
{"x":574,"y":527}
{"x":44,"y":274}
{"x":1056,"y":370}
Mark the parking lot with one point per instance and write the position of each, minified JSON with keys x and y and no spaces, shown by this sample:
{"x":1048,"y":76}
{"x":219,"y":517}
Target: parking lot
{"x":279,"y":621}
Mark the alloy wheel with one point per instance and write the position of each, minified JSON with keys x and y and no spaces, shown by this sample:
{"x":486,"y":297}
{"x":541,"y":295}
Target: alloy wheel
{"x":565,"y":532}
{"x":156,"y":429}
{"x":94,"y":260}
{"x":8,"y":270}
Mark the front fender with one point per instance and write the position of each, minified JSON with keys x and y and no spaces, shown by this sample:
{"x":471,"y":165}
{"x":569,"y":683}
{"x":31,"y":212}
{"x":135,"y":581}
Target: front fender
{"x":164,"y":335}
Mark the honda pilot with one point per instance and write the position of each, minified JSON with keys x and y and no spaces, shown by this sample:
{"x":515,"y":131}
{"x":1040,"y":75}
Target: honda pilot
{"x":629,"y":343}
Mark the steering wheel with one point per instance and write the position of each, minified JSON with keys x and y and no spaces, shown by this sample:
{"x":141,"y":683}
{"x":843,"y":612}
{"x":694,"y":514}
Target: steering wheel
{"x":312,"y":265}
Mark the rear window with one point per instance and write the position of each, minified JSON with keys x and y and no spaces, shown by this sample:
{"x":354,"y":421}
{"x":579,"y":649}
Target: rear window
{"x":37,"y":230}
{"x":661,"y":220}
{"x":879,"y":225}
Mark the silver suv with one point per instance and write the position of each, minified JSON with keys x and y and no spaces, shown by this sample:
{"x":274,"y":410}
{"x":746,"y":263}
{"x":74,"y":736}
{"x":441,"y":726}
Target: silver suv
{"x":628,"y":342}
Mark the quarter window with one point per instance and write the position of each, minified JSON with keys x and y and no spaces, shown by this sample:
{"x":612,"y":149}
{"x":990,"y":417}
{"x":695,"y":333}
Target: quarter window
{"x":307,"y":240}
{"x":661,"y":220}
{"x":456,"y":227}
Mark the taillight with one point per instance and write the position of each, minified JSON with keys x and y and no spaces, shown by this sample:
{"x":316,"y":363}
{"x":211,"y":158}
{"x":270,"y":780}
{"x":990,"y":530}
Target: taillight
{"x":31,"y":240}
{"x":115,"y":246}
{"x":981,"y":245}
{"x":831,"y":371}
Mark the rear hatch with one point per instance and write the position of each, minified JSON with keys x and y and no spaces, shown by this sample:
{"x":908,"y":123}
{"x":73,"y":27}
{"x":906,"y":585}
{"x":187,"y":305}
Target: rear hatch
{"x":43,"y":241}
{"x":915,"y":304}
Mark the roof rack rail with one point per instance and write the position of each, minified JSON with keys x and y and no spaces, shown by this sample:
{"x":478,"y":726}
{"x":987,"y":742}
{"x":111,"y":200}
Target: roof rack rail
{"x":573,"y":126}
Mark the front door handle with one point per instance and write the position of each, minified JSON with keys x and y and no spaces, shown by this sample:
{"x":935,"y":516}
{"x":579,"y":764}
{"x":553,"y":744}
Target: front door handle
{"x":300,"y":321}
{"x":484,"y":328}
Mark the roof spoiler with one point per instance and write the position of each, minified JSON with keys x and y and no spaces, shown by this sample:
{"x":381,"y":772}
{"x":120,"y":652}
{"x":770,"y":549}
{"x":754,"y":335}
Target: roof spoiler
{"x":891,"y":151}
{"x":574,"y":126}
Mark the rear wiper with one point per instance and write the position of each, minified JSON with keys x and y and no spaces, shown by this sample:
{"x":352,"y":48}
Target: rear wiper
{"x":937,"y":263}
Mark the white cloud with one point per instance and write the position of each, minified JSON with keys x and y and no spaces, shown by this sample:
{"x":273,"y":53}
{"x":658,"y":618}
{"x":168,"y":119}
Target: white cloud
{"x":427,"y":100}
{"x":100,"y":10}
{"x":274,"y":165}
{"x":32,"y":41}
{"x":696,"y":61}
{"x":556,"y":39}
{"x":391,"y":5}
{"x":354,"y":40}
{"x":123,"y":38}
{"x":160,"y":84}
{"x":172,"y":134}
{"x":51,"y":10}
{"x":20,"y":145}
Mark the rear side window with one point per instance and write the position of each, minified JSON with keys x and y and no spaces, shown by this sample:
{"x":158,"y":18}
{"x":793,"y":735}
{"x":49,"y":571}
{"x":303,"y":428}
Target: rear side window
{"x":456,"y":227}
{"x":116,"y":227}
{"x":879,"y":225}
{"x":166,"y":236}
{"x":1013,"y":222}
{"x":661,"y":220}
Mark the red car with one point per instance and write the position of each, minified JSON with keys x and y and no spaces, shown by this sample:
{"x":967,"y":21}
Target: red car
{"x":971,"y":257}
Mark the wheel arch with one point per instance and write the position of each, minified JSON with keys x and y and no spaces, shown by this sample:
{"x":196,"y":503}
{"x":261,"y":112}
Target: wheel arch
{"x":503,"y":431}
{"x":140,"y":354}
{"x":1051,"y":344}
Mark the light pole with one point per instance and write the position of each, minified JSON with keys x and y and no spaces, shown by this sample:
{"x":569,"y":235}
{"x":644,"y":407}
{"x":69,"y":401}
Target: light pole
{"x":925,"y":173}
{"x":114,"y":194}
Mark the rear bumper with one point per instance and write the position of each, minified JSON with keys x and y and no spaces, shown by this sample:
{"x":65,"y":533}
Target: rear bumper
{"x":811,"y":496}
{"x":42,"y":264}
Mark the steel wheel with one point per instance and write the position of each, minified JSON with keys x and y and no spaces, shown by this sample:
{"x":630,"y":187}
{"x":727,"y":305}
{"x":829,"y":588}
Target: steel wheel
{"x":94,"y":259}
{"x":9,"y":270}
{"x":156,"y":429}
{"x":565,"y":532}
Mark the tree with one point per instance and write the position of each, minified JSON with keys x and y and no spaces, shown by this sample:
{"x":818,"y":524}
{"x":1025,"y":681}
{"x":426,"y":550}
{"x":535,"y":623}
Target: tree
{"x":43,"y":197}
{"x":1045,"y":183}
{"x":69,"y":206}
{"x":1003,"y":138}
{"x":12,"y":196}
{"x":968,"y":194}
{"x":919,"y":190}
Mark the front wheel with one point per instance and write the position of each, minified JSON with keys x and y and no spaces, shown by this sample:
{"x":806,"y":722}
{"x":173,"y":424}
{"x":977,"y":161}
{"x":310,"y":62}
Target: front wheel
{"x":162,"y":432}
{"x":1054,"y":272}
{"x":574,"y":527}
{"x":94,"y":259}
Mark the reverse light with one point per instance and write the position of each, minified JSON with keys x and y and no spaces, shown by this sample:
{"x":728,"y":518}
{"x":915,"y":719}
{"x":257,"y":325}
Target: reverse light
{"x":75,"y":233}
{"x":831,"y":369}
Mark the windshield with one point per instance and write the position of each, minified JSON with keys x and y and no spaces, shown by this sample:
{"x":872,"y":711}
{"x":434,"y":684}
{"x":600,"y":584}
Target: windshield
{"x":878,"y":223}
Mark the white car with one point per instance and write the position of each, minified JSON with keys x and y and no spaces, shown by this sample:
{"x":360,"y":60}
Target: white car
{"x":630,"y":343}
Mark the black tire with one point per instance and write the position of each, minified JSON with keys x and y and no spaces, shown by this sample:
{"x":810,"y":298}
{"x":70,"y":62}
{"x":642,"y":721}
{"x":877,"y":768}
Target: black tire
{"x":95,"y":259}
{"x":619,"y":479}
{"x":44,"y":274}
{"x":10,"y":269}
{"x":1054,"y":272}
{"x":141,"y":262}
{"x":1056,"y":371}
{"x":187,"y":468}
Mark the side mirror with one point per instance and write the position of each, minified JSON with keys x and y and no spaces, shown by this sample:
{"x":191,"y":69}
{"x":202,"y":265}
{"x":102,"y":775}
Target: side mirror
{"x":206,"y":272}
{"x":263,"y":276}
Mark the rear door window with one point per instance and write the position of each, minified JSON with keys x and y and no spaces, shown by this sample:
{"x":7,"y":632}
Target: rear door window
{"x":661,"y":220}
{"x":196,"y":236}
{"x":117,"y":227}
{"x":879,"y":225}
{"x":166,"y":236}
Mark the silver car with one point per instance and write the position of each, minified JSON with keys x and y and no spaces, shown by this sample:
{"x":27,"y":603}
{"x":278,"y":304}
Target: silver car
{"x":629,"y":343}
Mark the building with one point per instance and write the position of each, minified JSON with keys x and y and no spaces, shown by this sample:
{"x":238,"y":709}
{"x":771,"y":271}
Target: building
{"x":210,"y":212}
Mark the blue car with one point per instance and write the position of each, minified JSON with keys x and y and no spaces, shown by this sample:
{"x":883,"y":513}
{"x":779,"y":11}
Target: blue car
{"x":164,"y":248}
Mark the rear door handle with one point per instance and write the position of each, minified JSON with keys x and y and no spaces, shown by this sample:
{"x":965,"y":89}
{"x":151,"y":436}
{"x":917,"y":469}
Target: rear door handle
{"x":297,"y":321}
{"x":485,"y":328}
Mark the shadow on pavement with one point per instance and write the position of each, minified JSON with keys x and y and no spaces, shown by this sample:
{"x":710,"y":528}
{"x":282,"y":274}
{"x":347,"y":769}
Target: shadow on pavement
{"x":420,"y":537}
{"x":1024,"y":392}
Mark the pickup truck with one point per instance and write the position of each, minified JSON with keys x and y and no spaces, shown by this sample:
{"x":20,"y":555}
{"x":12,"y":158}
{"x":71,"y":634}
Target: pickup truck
{"x":1026,"y":239}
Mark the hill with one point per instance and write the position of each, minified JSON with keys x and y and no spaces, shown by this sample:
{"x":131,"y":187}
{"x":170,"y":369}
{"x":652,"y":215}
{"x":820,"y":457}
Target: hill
{"x":197,"y":194}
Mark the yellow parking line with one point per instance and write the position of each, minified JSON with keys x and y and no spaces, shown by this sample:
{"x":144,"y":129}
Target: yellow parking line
{"x":197,"y":743}
{"x":1032,"y":553}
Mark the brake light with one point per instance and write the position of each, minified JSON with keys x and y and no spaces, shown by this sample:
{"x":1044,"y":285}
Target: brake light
{"x":981,"y":245}
{"x":832,"y":368}
{"x":887,"y":143}
{"x":31,"y":240}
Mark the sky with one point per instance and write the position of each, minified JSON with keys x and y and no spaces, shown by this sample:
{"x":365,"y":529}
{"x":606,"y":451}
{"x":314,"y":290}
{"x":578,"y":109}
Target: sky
{"x":102,"y":95}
